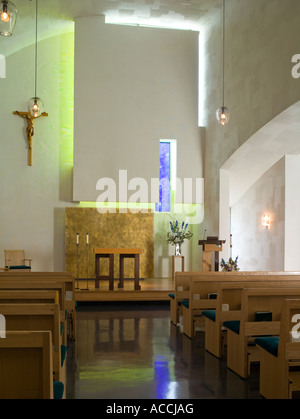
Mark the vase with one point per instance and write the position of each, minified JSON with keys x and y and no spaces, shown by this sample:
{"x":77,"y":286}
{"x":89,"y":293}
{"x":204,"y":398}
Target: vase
{"x":178,"y":249}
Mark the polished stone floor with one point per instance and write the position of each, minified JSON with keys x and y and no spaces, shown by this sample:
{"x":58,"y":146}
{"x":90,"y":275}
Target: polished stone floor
{"x":133,"y":351}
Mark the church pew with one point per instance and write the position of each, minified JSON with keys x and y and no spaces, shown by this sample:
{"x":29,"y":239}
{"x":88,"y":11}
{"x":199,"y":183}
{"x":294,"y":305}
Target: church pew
{"x":34,"y":317}
{"x":69,"y":291}
{"x":280,"y":356}
{"x":25,"y":296}
{"x":46,"y":281}
{"x":241,"y":350}
{"x":35,"y":297}
{"x":26,"y":367}
{"x":202,"y":284}
{"x":228,"y":307}
{"x":181,"y":292}
{"x":17,"y":285}
{"x":65,"y":277}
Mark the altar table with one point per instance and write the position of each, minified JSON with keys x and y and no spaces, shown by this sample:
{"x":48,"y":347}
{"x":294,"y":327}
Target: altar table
{"x":110,"y":254}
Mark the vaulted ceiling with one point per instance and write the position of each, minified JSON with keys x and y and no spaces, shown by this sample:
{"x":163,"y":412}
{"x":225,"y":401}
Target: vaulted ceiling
{"x":56,"y":16}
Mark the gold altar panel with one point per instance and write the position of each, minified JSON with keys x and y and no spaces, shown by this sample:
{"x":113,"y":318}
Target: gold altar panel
{"x":124,"y":230}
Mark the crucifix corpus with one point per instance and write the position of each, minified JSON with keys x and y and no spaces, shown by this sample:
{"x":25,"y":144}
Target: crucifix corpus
{"x":29,"y":130}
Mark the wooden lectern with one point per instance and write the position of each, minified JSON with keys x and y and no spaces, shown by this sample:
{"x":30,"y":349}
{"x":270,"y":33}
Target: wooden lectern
{"x":210,"y":254}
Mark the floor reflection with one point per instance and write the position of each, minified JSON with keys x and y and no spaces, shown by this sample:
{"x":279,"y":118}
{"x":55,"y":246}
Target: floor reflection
{"x":134,"y":352}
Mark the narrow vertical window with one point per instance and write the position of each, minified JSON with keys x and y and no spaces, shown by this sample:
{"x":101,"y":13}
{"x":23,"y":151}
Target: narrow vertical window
{"x":167,"y":175}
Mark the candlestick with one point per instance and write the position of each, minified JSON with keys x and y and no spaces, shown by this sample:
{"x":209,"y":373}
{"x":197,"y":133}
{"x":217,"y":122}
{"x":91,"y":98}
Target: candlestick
{"x":77,"y":238}
{"x":77,"y":245}
{"x":87,"y":267}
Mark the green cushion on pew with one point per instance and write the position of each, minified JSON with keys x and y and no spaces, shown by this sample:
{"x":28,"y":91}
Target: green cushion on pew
{"x":269,"y":343}
{"x":66,"y":314}
{"x":173,"y":296}
{"x":233,"y":325}
{"x":63,"y":349}
{"x":210,"y":314}
{"x":19,"y":267}
{"x":185,"y":303}
{"x":58,"y":389}
{"x":61,"y":329}
{"x":76,"y":305}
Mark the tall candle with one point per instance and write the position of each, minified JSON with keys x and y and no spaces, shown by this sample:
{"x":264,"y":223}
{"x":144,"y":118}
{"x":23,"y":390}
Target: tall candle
{"x":77,"y":238}
{"x":87,"y":238}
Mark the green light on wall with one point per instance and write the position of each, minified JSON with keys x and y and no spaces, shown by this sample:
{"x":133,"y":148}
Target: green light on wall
{"x":65,"y":72}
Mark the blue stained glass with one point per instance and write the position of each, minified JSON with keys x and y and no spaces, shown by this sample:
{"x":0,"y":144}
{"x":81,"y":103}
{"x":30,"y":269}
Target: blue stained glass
{"x":164,"y":204}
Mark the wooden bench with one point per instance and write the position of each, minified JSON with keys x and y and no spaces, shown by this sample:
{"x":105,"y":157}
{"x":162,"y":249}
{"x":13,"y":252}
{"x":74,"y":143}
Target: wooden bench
{"x":65,"y":277}
{"x":204,"y":283}
{"x":280,"y":356}
{"x":228,"y":307}
{"x":35,"y":297}
{"x":26,"y":368}
{"x":25,"y":296}
{"x":64,"y":283}
{"x":241,"y":350}
{"x":180,"y":293}
{"x":36,"y":317}
{"x":182,"y":287}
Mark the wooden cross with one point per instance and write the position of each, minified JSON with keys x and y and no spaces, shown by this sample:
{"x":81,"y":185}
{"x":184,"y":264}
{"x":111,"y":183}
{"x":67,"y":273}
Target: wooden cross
{"x":29,"y":130}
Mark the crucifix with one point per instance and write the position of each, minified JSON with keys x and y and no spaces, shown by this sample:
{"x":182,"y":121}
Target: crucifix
{"x":29,"y":130}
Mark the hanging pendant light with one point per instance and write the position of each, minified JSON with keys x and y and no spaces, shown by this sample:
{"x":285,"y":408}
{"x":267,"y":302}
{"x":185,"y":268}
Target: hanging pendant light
{"x":223,"y":113}
{"x":35,"y":104}
{"x":8,"y":17}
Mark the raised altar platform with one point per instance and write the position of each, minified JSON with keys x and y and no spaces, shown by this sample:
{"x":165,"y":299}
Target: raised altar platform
{"x":151,"y":290}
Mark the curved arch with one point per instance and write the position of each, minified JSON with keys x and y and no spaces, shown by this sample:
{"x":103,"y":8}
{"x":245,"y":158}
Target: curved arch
{"x":278,"y":138}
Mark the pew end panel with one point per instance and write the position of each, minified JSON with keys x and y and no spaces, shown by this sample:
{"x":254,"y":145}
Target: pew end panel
{"x":36,"y":317}
{"x":280,"y":356}
{"x":180,"y":293}
{"x":241,"y":348}
{"x":26,"y":367}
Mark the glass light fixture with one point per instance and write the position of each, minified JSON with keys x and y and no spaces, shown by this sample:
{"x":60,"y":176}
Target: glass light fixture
{"x":8,"y":17}
{"x":35,"y":104}
{"x":223,"y":113}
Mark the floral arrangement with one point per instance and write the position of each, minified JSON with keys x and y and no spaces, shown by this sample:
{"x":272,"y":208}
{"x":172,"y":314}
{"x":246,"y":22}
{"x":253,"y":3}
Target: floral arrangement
{"x":178,"y":233}
{"x":231,"y":265}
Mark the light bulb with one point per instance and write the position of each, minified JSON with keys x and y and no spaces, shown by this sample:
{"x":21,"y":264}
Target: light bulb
{"x":4,"y":16}
{"x":35,"y":106}
{"x":223,"y":115}
{"x":8,"y":16}
{"x":266,"y":220}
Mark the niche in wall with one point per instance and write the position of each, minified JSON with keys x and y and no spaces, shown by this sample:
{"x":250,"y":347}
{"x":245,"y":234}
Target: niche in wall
{"x":118,"y":230}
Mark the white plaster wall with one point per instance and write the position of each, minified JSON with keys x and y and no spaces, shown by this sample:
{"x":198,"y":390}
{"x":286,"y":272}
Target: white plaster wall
{"x":33,"y":198}
{"x":292,"y":211}
{"x":261,"y":39}
{"x":257,"y":247}
{"x":133,"y":87}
